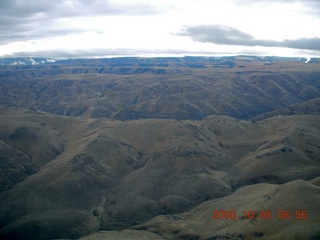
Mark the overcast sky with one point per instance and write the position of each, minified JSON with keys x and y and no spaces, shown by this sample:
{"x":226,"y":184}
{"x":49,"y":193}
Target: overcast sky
{"x":102,"y":28}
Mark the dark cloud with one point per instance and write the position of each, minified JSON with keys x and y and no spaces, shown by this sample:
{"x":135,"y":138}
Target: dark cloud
{"x":218,"y":34}
{"x":303,"y":43}
{"x":21,"y":19}
{"x":67,"y":8}
{"x":24,"y":9}
{"x":223,"y":35}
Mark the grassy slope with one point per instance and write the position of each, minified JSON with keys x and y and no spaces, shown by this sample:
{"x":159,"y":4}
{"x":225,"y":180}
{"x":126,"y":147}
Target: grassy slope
{"x":292,"y":196}
{"x":173,"y":93}
{"x":113,"y":175}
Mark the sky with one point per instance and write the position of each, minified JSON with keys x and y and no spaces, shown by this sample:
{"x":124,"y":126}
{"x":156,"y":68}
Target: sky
{"x":108,"y":28}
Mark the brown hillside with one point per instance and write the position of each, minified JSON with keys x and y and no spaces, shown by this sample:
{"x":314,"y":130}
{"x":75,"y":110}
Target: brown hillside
{"x":292,"y":196}
{"x":112,"y":175}
{"x":170,"y":92}
{"x":311,"y":107}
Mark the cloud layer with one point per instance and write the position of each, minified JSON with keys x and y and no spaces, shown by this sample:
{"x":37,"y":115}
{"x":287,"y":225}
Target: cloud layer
{"x":33,"y":19}
{"x":74,"y":28}
{"x":224,"y":35}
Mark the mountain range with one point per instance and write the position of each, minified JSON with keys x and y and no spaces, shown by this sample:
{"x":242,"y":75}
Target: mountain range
{"x":188,"y":61}
{"x":114,"y":149}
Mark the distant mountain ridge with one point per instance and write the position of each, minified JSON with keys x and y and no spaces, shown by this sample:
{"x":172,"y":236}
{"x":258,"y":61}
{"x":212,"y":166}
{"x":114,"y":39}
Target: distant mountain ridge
{"x":189,"y":61}
{"x":231,"y":87}
{"x":25,"y":61}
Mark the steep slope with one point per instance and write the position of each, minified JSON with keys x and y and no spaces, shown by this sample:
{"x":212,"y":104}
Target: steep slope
{"x":311,"y":107}
{"x":167,"y":92}
{"x":293,"y":213}
{"x":25,"y":147}
{"x":274,"y":150}
{"x":100,"y":161}
{"x":112,"y":175}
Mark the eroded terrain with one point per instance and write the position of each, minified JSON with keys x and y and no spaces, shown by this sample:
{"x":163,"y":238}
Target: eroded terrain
{"x":150,"y":155}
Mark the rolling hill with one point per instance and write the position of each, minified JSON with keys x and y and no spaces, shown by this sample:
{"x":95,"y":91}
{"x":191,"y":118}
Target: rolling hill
{"x":114,"y":175}
{"x":168,"y":89}
{"x":149,"y":148}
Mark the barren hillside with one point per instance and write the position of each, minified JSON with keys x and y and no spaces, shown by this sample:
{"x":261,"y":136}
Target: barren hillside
{"x":72,"y":168}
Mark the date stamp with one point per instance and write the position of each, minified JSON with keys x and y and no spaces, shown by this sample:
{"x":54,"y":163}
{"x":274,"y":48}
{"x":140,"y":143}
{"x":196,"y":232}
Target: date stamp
{"x":262,"y":214}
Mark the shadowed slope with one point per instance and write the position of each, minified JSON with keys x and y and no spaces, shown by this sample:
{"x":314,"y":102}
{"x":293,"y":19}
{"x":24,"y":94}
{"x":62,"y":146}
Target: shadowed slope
{"x":113,"y":175}
{"x":311,"y":107}
{"x":159,"y":93}
{"x":275,"y":150}
{"x":198,"y":223}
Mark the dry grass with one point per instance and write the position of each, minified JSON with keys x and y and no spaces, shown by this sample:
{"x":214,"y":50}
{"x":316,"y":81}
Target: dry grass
{"x":119,"y":174}
{"x":68,"y":168}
